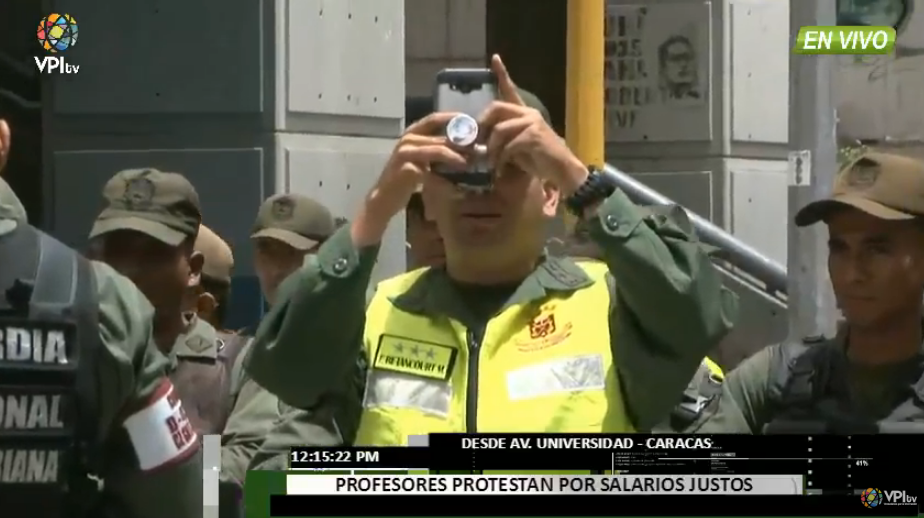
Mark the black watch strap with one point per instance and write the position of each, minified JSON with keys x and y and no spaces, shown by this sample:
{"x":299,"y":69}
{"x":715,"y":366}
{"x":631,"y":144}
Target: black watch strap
{"x":596,"y":188}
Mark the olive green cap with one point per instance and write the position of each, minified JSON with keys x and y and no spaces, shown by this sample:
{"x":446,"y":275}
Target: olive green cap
{"x":883,"y":185}
{"x":294,"y":219}
{"x":218,"y":260}
{"x":162,"y":205}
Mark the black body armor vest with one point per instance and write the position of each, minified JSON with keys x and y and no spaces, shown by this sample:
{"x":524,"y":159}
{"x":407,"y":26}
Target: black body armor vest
{"x":49,"y":333}
{"x":809,"y":397}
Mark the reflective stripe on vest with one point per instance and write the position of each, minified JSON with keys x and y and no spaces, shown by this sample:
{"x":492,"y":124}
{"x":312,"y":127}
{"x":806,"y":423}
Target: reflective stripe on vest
{"x":544,"y":367}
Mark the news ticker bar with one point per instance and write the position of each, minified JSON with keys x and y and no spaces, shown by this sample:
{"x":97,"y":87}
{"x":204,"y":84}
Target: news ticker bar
{"x":664,"y":454}
{"x":560,"y":484}
{"x":567,"y":505}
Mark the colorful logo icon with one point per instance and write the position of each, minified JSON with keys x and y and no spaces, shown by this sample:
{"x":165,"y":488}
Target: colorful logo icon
{"x":871,"y":497}
{"x":57,"y":32}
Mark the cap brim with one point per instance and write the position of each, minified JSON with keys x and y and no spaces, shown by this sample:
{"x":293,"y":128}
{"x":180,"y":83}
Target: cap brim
{"x":288,"y":237}
{"x":819,"y":210}
{"x":158,"y":231}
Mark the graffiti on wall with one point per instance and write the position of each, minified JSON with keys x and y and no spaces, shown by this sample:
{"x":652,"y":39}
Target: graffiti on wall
{"x":881,"y":97}
{"x":678,"y":77}
{"x":656,"y":69}
{"x":626,"y":71}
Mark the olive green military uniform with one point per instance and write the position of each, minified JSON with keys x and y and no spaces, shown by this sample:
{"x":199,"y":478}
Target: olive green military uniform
{"x":166,"y":207}
{"x":672,"y":309}
{"x":884,"y":186}
{"x":303,"y":223}
{"x":701,"y":394}
{"x":130,"y":369}
{"x":254,"y":411}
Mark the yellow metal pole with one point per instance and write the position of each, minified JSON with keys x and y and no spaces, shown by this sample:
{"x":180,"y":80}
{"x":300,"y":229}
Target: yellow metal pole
{"x":584,"y":89}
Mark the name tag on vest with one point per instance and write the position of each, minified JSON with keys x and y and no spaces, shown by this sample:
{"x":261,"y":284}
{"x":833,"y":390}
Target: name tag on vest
{"x":414,"y":357}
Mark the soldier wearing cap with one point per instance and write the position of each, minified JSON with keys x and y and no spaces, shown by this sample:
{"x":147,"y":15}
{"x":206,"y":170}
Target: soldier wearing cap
{"x":288,"y":228}
{"x":120,"y":412}
{"x":867,"y":379}
{"x":148,"y":232}
{"x":502,"y":337}
{"x":209,"y":299}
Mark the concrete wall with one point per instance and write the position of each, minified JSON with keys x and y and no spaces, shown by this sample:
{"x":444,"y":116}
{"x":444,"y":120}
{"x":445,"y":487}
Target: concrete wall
{"x":722,"y":155}
{"x":718,"y":145}
{"x":881,"y":98}
{"x":441,"y":34}
{"x":246,"y":101}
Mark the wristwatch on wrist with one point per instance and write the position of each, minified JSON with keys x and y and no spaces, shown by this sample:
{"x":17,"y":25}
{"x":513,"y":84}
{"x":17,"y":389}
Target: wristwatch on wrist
{"x":596,"y":188}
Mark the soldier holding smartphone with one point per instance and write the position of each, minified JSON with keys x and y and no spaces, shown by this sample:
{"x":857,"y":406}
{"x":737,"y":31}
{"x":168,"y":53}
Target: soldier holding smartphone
{"x":502,"y":337}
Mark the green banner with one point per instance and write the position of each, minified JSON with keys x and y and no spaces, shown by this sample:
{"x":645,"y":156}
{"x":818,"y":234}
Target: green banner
{"x":258,"y":487}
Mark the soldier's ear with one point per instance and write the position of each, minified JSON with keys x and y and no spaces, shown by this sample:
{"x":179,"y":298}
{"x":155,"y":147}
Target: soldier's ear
{"x":4,"y":144}
{"x":206,"y":304}
{"x":551,"y":197}
{"x":196,"y":261}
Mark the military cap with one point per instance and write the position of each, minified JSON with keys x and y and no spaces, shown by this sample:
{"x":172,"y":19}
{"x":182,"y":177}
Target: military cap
{"x":294,"y":219}
{"x":883,"y":185}
{"x":218,"y":259}
{"x":162,"y":205}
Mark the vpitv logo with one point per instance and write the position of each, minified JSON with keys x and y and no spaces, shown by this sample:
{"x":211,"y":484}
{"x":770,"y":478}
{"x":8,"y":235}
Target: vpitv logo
{"x":56,"y":33}
{"x":874,"y":497}
{"x":899,"y":498}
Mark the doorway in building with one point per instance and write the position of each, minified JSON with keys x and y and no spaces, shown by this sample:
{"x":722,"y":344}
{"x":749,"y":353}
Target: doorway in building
{"x":531,"y":38}
{"x":20,"y":102}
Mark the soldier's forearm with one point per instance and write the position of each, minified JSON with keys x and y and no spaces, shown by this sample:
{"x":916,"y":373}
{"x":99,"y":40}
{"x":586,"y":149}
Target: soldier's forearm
{"x":311,"y":337}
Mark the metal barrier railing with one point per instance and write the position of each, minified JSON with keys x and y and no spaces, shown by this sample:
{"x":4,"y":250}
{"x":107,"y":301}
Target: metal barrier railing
{"x":743,"y":259}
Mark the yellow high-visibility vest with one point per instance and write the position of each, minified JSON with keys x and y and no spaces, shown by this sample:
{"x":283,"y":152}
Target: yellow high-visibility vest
{"x":542,"y":367}
{"x":714,"y":369}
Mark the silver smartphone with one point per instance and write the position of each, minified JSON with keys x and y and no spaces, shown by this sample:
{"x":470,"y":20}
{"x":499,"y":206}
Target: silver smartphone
{"x":469,"y":91}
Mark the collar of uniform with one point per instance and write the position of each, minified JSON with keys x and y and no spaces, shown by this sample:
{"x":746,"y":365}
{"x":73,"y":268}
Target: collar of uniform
{"x":199,"y":341}
{"x":432,"y":293}
{"x":840,"y":339}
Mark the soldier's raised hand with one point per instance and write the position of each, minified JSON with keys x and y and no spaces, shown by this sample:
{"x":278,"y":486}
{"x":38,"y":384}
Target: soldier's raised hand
{"x":422,"y":144}
{"x":520,"y":135}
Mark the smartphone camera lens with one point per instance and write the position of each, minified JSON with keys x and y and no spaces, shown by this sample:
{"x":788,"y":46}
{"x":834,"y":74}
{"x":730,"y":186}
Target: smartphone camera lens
{"x":462,"y":130}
